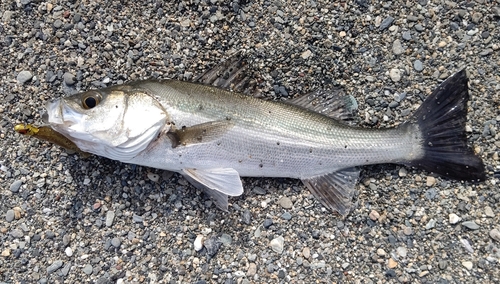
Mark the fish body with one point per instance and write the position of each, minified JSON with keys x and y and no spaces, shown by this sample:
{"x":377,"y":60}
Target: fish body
{"x":213,"y":136}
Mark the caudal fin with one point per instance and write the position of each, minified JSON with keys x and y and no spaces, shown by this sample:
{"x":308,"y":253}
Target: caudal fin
{"x":441,"y":120}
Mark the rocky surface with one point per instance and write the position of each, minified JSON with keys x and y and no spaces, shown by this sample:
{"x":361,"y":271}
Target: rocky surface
{"x":69,"y":219}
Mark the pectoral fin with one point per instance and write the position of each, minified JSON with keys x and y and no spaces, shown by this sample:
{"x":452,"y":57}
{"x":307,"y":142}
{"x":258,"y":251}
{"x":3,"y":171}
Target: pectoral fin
{"x":335,"y":190}
{"x":224,"y":180}
{"x":199,"y":133}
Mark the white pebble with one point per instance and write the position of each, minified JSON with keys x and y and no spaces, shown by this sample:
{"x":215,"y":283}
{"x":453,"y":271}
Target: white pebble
{"x":454,"y":218}
{"x":198,"y":243}
{"x":153,"y":177}
{"x":68,"y":251}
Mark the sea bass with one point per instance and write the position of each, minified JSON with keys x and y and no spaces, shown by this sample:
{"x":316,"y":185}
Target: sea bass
{"x":213,"y":136}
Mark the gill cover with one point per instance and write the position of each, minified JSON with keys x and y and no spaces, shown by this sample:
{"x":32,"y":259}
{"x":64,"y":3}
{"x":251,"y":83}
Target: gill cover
{"x":116,"y":122}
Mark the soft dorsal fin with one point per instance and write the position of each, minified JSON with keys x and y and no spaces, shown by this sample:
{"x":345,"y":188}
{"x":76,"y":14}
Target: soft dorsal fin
{"x":333,"y":103}
{"x":199,"y":133}
{"x":335,"y":190}
{"x":224,"y":180}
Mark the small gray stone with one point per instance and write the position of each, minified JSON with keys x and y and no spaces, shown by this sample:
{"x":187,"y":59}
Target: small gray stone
{"x":110,"y":216}
{"x":395,"y":75}
{"x":286,"y":216}
{"x":406,"y":35}
{"x":495,"y":234}
{"x":226,"y":239}
{"x":277,"y":244}
{"x":24,"y":76}
{"x":285,"y":202}
{"x":419,"y":28}
{"x":57,"y":23}
{"x":397,"y":47}
{"x":386,"y":23}
{"x":246,"y":217}
{"x":87,"y":269}
{"x":259,"y":190}
{"x":65,"y":269}
{"x":14,"y":187}
{"x":137,"y":219}
{"x":471,"y":225}
{"x":16,"y":233}
{"x":116,"y":242}
{"x":486,"y":52}
{"x":10,"y":215}
{"x":418,"y":65}
{"x":69,"y":79}
{"x":431,"y":224}
{"x":402,"y":251}
{"x":489,"y":212}
{"x":54,"y":266}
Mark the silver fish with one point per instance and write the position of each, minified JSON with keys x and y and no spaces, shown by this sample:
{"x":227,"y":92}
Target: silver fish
{"x":213,"y":136}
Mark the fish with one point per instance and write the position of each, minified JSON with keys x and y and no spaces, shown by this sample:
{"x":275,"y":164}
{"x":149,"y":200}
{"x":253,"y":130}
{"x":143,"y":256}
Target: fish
{"x":214,"y":136}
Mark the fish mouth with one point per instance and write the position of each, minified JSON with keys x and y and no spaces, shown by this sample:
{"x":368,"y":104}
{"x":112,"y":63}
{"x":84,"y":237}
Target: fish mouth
{"x":58,"y":112}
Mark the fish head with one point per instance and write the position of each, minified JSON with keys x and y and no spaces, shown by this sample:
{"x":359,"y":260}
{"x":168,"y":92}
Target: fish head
{"x":117,"y":122}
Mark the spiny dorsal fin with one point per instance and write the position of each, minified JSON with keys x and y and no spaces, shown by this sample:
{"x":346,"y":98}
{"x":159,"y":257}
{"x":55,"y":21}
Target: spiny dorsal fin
{"x":333,"y":103}
{"x":232,"y":74}
{"x":335,"y":190}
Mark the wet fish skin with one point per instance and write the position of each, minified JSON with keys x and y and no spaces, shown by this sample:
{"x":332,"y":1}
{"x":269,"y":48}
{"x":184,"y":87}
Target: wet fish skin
{"x":213,"y":136}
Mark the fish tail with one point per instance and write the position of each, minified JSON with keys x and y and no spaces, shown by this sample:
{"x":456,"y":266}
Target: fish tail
{"x":441,"y":120}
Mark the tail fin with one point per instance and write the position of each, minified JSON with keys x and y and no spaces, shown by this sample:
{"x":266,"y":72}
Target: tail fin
{"x":441,"y":119}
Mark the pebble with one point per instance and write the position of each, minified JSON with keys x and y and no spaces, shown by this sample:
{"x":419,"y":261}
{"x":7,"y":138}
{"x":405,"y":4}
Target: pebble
{"x":306,"y":252}
{"x":489,"y":212}
{"x":395,"y":75}
{"x":226,"y":239}
{"x":69,"y":79}
{"x":430,"y":181}
{"x":406,"y":35}
{"x":392,"y":263}
{"x":453,"y":218}
{"x":397,"y":47}
{"x":277,"y":244}
{"x":418,"y":66}
{"x":386,"y":23}
{"x":198,"y":243}
{"x":87,"y":269}
{"x":306,"y":54}
{"x":471,"y":225}
{"x":110,"y":217}
{"x":495,"y":234}
{"x":286,"y":216}
{"x":403,"y":172}
{"x":14,"y":187}
{"x":54,"y":266}
{"x":381,"y":252}
{"x":24,"y":76}
{"x":402,"y":251}
{"x":68,"y":251}
{"x":252,"y":269}
{"x":430,"y":224}
{"x":467,"y":264}
{"x":374,"y":215}
{"x":9,"y":216}
{"x":285,"y":202}
{"x":153,"y":177}
{"x":116,"y":242}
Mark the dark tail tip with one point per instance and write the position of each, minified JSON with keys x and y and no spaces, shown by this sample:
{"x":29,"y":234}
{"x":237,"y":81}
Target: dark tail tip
{"x":441,"y":119}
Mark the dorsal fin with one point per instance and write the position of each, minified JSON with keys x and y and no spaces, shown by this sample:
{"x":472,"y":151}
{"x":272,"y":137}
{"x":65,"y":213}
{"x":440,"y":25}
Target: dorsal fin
{"x":333,"y":103}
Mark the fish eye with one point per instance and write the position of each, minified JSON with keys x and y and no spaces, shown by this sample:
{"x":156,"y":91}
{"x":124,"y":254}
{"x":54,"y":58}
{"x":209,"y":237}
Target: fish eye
{"x":91,"y":100}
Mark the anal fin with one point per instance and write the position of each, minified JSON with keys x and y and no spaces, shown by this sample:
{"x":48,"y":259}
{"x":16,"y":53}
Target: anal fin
{"x":335,"y":190}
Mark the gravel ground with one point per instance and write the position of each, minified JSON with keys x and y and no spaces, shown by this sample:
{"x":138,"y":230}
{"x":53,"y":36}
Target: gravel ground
{"x":68,"y":219}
